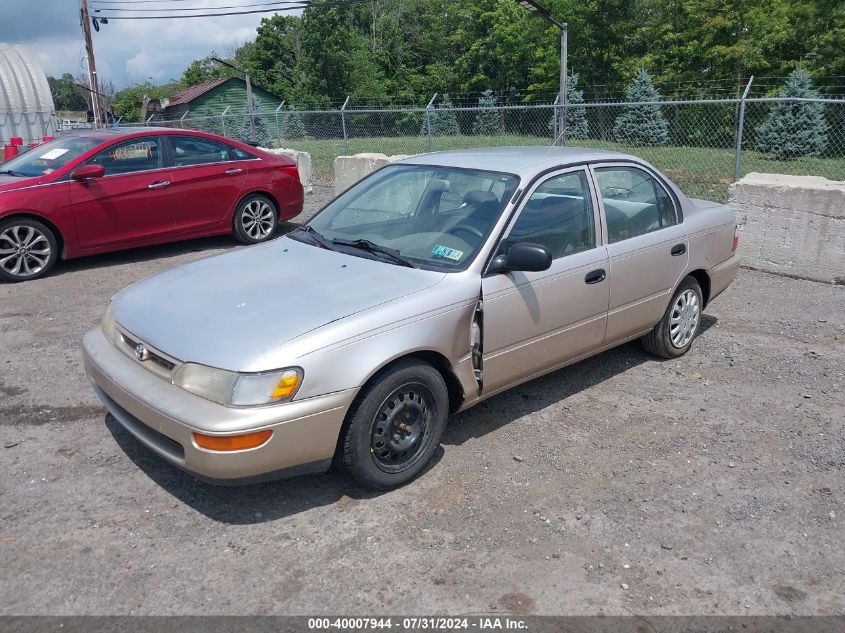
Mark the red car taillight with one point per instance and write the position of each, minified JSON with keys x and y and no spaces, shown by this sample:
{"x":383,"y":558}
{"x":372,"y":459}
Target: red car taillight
{"x":736,"y":241}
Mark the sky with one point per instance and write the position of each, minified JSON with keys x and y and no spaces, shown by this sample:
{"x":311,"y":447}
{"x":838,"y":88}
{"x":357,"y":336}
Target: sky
{"x":127,"y":51}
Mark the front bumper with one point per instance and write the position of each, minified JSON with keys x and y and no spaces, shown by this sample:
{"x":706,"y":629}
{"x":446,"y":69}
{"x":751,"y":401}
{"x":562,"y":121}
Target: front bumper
{"x":163,"y":417}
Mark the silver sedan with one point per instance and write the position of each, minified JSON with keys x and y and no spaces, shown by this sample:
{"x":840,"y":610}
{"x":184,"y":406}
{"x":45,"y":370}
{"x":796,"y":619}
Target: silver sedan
{"x":432,"y":284}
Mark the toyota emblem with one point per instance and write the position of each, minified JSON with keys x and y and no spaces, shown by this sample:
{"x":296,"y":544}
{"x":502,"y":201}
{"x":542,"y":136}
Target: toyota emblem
{"x":141,"y":353}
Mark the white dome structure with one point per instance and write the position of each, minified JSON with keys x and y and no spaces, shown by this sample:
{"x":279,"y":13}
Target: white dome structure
{"x":26,"y":105}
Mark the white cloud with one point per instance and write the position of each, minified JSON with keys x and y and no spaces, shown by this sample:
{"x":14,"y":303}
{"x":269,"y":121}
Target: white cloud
{"x":127,"y":51}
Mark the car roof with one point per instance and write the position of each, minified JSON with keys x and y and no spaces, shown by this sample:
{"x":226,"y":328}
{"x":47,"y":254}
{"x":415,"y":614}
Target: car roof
{"x":524,"y":161}
{"x":118,"y":132}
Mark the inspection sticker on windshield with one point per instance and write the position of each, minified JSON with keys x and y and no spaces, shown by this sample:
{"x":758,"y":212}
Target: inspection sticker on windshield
{"x":53,"y":154}
{"x":449,"y":253}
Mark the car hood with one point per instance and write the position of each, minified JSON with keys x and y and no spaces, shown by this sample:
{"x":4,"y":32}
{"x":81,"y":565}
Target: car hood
{"x":230,"y":310}
{"x":8,"y":182}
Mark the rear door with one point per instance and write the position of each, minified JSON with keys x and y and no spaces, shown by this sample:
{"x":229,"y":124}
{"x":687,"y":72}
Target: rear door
{"x":131,"y":202}
{"x":534,"y":321}
{"x":207,"y":181}
{"x":646,"y":245}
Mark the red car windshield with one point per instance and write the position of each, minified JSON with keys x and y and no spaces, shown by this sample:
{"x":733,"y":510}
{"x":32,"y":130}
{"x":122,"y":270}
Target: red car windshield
{"x":47,"y":158}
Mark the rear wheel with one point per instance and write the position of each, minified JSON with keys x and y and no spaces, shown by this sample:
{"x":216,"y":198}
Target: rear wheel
{"x":256,"y":219}
{"x":673,"y":336}
{"x":396,"y":425}
{"x":28,"y":249}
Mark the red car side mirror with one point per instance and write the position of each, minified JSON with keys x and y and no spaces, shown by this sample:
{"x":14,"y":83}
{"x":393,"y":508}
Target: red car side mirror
{"x":87,"y":172}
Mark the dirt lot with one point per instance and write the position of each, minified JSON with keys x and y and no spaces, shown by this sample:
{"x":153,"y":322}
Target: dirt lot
{"x":710,"y":484}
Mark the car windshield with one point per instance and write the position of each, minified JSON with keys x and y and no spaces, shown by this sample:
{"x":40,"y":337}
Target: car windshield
{"x":420,"y":215}
{"x":48,"y":157}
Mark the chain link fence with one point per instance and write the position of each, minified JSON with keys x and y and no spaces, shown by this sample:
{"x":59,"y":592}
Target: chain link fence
{"x":702,"y":145}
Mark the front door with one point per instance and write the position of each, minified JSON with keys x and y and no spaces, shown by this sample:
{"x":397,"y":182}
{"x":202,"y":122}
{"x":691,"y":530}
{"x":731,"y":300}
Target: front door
{"x":131,"y":202}
{"x":534,"y":321}
{"x":646,"y":245}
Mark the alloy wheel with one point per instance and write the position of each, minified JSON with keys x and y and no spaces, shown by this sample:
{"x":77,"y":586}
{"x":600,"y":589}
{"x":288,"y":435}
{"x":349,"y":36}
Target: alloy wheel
{"x":24,"y":251}
{"x":258,"y":219}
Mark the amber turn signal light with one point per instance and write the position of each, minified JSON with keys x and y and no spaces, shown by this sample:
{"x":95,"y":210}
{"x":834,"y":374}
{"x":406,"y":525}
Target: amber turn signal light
{"x":232,"y":442}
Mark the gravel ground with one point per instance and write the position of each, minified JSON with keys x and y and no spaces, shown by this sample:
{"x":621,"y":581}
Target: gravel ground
{"x":712,"y":484}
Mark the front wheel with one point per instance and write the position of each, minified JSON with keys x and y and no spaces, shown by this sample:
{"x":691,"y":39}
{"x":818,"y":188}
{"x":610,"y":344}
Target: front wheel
{"x":28,"y":249}
{"x":395,"y":426}
{"x":256,"y":219}
{"x":673,"y":336}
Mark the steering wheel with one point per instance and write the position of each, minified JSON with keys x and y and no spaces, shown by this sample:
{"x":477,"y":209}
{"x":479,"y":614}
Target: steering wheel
{"x":467,"y":228}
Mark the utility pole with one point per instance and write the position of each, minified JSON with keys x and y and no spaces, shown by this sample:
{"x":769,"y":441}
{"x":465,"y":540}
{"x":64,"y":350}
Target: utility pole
{"x":249,"y":107}
{"x":536,"y":8}
{"x":85,"y":21}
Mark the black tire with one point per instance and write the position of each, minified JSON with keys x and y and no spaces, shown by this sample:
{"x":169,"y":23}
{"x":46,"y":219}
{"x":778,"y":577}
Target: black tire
{"x":256,"y":219}
{"x":25,"y":265}
{"x":419,"y":409}
{"x":660,"y":340}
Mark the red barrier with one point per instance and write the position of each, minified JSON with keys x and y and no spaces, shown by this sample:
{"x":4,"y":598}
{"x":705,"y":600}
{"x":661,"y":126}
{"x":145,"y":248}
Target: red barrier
{"x":17,"y":141}
{"x":10,"y":151}
{"x":47,"y":139}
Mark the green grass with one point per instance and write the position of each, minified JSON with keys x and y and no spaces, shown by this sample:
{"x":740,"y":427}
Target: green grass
{"x":701,"y":172}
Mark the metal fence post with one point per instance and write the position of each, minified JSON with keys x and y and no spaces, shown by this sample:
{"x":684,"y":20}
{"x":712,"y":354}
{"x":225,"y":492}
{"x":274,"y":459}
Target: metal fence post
{"x":428,"y":120}
{"x":343,"y":124}
{"x":223,"y":120}
{"x":555,"y":118}
{"x":739,"y":130}
{"x":278,"y":128}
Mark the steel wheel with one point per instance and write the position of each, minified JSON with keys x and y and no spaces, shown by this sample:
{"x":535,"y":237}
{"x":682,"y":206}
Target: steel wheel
{"x":402,"y":428}
{"x":683,"y":321}
{"x":258,"y":219}
{"x":25,"y":251}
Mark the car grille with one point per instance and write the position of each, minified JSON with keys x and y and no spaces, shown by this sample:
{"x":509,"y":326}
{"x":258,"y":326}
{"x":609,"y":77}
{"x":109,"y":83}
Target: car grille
{"x":161,"y":361}
{"x":157,"y":362}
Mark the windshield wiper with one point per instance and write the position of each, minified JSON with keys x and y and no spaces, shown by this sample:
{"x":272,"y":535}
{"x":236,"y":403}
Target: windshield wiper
{"x":12,"y":173}
{"x":314,"y":235}
{"x":372,"y":247}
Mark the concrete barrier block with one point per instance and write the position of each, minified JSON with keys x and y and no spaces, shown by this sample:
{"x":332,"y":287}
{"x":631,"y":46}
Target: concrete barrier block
{"x":350,"y":169}
{"x":303,"y":164}
{"x":792,"y":225}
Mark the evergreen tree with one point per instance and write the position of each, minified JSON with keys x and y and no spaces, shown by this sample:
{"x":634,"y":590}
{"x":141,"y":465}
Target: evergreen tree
{"x":292,"y":127}
{"x":443,"y":119}
{"x":576,"y":117}
{"x":798,"y":128}
{"x":256,"y":129}
{"x":488,"y":121}
{"x":641,"y":124}
{"x":210,"y":124}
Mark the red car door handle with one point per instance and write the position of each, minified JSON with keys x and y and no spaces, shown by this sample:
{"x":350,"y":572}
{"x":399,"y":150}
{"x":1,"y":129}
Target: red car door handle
{"x":161,"y":184}
{"x":232,"y":172}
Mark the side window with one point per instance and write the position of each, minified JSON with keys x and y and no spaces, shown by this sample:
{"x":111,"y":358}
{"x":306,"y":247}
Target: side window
{"x":558,"y":215}
{"x":634,"y":203}
{"x":236,"y":153}
{"x":124,"y":158}
{"x":193,"y":150}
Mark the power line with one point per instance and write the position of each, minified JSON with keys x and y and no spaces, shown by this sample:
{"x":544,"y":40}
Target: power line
{"x":304,"y":4}
{"x":230,"y":6}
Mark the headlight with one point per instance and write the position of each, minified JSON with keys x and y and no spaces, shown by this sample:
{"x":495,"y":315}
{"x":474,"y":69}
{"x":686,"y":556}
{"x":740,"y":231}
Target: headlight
{"x":230,"y":388}
{"x":109,"y":328}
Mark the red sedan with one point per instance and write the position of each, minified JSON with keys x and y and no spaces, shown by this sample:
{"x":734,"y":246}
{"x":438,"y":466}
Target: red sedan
{"x":107,"y":190}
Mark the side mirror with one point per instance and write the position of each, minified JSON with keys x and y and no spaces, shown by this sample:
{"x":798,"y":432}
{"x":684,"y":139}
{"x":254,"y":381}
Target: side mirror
{"x":87,"y":172}
{"x":522,"y":256}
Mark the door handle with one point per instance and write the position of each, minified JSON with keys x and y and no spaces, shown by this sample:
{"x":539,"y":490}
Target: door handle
{"x":232,"y":172}
{"x":161,"y":184}
{"x":678,"y":249}
{"x":595,"y":276}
